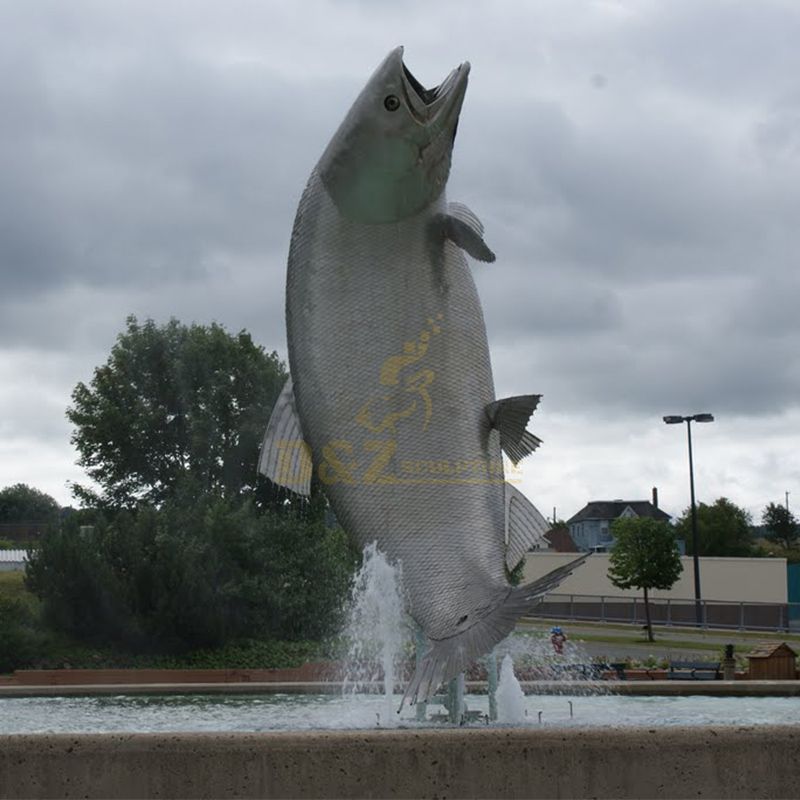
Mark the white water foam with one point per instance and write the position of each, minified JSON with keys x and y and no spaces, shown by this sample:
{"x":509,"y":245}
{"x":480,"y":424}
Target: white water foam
{"x":510,"y":697}
{"x":377,"y":629}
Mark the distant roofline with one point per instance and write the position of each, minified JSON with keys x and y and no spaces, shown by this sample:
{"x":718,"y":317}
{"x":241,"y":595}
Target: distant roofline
{"x":620,"y":505}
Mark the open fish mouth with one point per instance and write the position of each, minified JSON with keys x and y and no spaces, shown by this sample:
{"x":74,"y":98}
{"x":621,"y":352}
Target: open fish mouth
{"x":442,"y":100}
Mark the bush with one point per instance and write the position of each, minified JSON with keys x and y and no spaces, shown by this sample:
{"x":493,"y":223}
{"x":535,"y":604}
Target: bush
{"x":19,"y":640}
{"x":199,"y":572}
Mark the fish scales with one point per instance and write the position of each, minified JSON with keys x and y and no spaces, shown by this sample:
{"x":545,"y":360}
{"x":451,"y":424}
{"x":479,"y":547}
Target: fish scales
{"x":344,"y":322}
{"x":392,"y":390}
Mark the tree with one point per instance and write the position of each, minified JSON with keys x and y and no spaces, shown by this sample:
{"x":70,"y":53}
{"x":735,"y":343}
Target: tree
{"x":199,"y":571}
{"x":23,"y":503}
{"x":175,"y":404}
{"x":723,"y":529}
{"x":19,"y":640}
{"x":645,"y":556}
{"x":781,"y":525}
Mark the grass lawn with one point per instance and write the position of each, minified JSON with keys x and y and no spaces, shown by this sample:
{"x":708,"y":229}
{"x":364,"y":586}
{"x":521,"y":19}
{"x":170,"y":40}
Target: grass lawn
{"x":12,"y":587}
{"x":712,"y":640}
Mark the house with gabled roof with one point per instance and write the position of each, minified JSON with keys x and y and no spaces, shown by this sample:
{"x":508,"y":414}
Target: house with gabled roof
{"x":558,"y":540}
{"x":590,"y":528}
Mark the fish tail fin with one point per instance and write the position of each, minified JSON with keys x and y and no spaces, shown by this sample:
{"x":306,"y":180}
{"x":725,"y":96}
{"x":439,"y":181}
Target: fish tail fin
{"x":533,"y":592}
{"x":447,"y":657}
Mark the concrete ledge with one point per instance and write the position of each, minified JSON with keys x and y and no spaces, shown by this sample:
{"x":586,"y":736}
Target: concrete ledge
{"x":270,"y":687}
{"x":752,"y":762}
{"x":310,"y":671}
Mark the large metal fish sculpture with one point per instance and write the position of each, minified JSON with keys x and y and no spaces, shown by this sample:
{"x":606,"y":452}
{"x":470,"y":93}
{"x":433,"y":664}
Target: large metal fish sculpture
{"x":391,"y":399}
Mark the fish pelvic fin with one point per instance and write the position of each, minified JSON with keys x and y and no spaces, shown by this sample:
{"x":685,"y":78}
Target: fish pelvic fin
{"x":285,"y":458}
{"x":445,"y":658}
{"x":525,"y":526}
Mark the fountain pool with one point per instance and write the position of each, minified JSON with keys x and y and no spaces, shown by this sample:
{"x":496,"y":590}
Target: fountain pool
{"x":285,"y":712}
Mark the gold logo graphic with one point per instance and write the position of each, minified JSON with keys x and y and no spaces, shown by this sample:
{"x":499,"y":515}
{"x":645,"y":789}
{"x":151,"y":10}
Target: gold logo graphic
{"x":414,"y":384}
{"x":404,"y":399}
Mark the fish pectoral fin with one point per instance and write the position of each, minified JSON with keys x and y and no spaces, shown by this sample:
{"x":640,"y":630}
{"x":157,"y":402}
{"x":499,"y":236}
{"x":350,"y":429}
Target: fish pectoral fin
{"x":285,"y":457}
{"x":464,"y":229}
{"x":525,"y":526}
{"x":510,"y":416}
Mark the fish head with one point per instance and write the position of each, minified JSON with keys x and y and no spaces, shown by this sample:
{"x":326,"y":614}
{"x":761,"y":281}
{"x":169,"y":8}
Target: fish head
{"x":390,"y":157}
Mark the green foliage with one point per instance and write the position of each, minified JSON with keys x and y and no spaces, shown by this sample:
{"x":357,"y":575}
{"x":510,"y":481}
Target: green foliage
{"x":245,"y":654}
{"x":19,"y":639}
{"x":23,"y":503}
{"x":61,"y":652}
{"x":199,"y":571}
{"x":515,"y":576}
{"x":21,"y":634}
{"x":184,"y":547}
{"x":723,"y":529}
{"x":173,"y":405}
{"x":12,"y":587}
{"x":25,"y":642}
{"x":781,"y":525}
{"x":645,"y":556}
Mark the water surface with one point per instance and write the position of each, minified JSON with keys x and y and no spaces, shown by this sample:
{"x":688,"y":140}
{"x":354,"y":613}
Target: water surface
{"x":283,"y":712}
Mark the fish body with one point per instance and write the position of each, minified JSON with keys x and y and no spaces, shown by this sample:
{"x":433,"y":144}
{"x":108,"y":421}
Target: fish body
{"x":391,"y":392}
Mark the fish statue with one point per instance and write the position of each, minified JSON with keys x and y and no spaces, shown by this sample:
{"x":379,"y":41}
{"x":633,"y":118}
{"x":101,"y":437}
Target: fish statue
{"x":391,"y":402}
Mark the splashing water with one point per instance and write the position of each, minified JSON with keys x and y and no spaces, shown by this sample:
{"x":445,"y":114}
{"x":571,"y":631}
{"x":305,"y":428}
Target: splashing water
{"x":510,"y":697}
{"x":376,"y":628}
{"x":535,"y":659}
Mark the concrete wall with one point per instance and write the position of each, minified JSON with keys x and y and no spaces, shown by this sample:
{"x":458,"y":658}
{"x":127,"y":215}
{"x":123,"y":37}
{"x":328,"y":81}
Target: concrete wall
{"x":748,"y":580}
{"x":750,"y":762}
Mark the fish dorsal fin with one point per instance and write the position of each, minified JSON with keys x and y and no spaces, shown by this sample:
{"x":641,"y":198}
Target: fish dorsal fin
{"x":285,"y":457}
{"x":525,"y":526}
{"x":510,"y":416}
{"x":464,"y":229}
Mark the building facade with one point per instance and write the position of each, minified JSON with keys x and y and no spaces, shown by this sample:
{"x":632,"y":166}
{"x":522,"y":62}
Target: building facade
{"x":590,"y":528}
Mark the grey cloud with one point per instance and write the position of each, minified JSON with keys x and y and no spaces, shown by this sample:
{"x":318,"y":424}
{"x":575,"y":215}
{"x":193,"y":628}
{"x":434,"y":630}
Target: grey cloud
{"x":541,"y":303}
{"x":152,"y":156}
{"x":777,"y":135}
{"x":141,"y":175}
{"x":740,"y":49}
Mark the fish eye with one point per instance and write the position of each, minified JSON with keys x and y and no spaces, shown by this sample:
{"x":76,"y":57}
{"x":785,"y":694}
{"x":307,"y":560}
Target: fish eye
{"x":391,"y":102}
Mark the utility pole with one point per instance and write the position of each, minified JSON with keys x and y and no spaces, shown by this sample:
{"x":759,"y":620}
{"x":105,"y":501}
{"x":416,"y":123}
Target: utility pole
{"x":674,"y":419}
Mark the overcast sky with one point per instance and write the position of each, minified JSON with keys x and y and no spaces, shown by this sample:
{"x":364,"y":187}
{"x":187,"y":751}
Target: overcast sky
{"x":636,"y":166}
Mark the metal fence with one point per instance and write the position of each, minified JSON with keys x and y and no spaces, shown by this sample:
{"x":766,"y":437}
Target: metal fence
{"x":716,"y":613}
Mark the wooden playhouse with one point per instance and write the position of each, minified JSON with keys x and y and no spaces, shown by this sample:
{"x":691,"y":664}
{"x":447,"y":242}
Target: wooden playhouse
{"x":772,"y":661}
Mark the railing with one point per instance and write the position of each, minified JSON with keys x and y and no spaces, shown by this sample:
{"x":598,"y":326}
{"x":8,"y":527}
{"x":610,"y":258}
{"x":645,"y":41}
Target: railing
{"x":716,"y":613}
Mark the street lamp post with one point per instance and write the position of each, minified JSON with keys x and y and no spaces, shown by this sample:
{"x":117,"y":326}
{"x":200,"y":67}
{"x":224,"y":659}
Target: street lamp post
{"x":673,"y":419}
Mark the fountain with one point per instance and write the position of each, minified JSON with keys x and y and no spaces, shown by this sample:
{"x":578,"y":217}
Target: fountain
{"x":376,"y":630}
{"x":510,"y":697}
{"x":303,"y":745}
